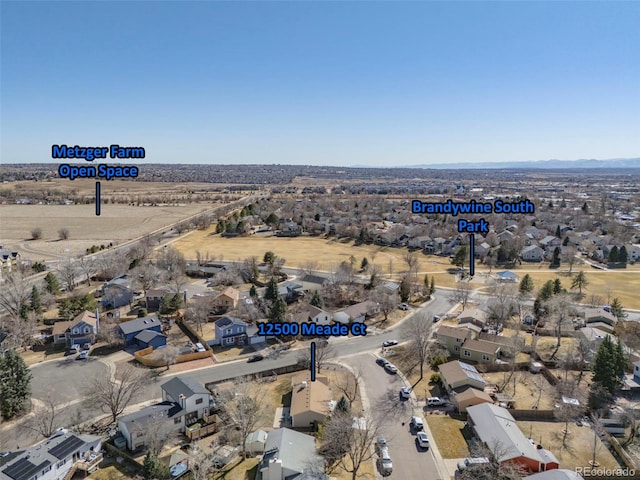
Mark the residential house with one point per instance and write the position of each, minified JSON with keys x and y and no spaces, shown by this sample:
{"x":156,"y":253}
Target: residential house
{"x":507,"y":277}
{"x":207,"y":270}
{"x":289,"y":229}
{"x":290,"y":291}
{"x":82,"y":329}
{"x":53,"y":458}
{"x":311,"y":402}
{"x":595,"y":336}
{"x":282,"y":462}
{"x":419,"y":242}
{"x":560,"y":474}
{"x":230,"y":331}
{"x":226,"y":300}
{"x":474,"y":319}
{"x":497,"y":429}
{"x":184,"y":402}
{"x":457,"y":376}
{"x":600,"y":318}
{"x":480,"y":351}
{"x":117,"y":292}
{"x":505,"y":236}
{"x":150,"y":338}
{"x":632,"y":381}
{"x":312,"y":283}
{"x":550,"y":242}
{"x":131,"y":328}
{"x":356,"y":313}
{"x":532,"y":253}
{"x":8,"y":258}
{"x":633,"y":252}
{"x":452,"y":338}
{"x":469,"y":397}
{"x":153,"y":298}
{"x":310,"y":313}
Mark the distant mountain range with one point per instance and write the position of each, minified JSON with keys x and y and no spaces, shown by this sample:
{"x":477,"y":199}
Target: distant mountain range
{"x":539,"y":164}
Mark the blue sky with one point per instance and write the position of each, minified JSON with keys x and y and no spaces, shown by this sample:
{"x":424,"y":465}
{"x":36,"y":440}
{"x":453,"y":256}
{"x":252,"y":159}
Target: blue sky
{"x":335,"y":83}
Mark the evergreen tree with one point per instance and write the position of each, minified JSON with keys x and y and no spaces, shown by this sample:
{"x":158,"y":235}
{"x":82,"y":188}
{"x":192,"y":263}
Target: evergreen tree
{"x":316,"y":300}
{"x":177,"y":302}
{"x":253,"y":292}
{"x":526,"y":284}
{"x":565,"y":242}
{"x":557,"y":287}
{"x":599,"y":397}
{"x":563,"y":204}
{"x":555,"y":261}
{"x":426,"y":283}
{"x":150,"y":466}
{"x":460,"y":256}
{"x":558,"y":233}
{"x":15,"y":384}
{"x":343,"y":405}
{"x":36,"y":302}
{"x":617,"y":308}
{"x":53,"y":286}
{"x":605,"y":366}
{"x":271,"y":292}
{"x":433,"y":286}
{"x":622,"y":254}
{"x":546,"y":292}
{"x":364,"y":265}
{"x":277,"y":310}
{"x":585,"y":207}
{"x":69,"y":308}
{"x":613,"y":254}
{"x":580,"y":281}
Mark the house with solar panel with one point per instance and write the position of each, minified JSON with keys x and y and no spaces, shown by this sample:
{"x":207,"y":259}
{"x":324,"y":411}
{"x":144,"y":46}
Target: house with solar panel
{"x":53,"y":459}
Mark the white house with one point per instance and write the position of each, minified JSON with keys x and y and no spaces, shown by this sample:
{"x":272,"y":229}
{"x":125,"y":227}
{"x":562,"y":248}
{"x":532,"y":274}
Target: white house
{"x":184,"y":401}
{"x":53,"y":458}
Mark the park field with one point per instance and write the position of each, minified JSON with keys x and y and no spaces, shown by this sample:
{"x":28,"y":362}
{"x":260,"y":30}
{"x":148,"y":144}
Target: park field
{"x":117,"y":223}
{"x":328,"y":253}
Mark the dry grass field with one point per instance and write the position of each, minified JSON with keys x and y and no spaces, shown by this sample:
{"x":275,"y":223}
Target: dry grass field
{"x":448,"y":435}
{"x":578,"y":450}
{"x":527,"y":388}
{"x":117,"y":223}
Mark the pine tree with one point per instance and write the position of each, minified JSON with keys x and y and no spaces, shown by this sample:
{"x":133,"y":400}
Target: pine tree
{"x":546,"y":292}
{"x":460,"y":256}
{"x":613,"y":254}
{"x":605,"y":366}
{"x":555,"y":261}
{"x":15,"y":384}
{"x":526,"y":284}
{"x":622,"y":254}
{"x":405,"y":289}
{"x":150,"y":466}
{"x":271,"y":292}
{"x":558,"y":233}
{"x":433,"y":286}
{"x":343,"y":405}
{"x":316,"y":300}
{"x":364,"y":265}
{"x":580,"y":281}
{"x":617,"y":308}
{"x":53,"y":286}
{"x":557,"y":287}
{"x":36,"y":302}
{"x":426,"y":282}
{"x":253,"y":292}
{"x":277,"y":310}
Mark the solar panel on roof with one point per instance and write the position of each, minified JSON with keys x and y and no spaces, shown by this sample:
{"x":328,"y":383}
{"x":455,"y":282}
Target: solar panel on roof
{"x":469,"y":368}
{"x":23,"y":469}
{"x":62,"y":450}
{"x":475,"y":377}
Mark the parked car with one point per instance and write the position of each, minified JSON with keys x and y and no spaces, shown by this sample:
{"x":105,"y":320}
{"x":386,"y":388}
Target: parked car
{"x":391,"y":368}
{"x":75,"y":348}
{"x":422,"y":440}
{"x":434,"y":402}
{"x":436,"y":318}
{"x":382,"y":362}
{"x":86,"y":346}
{"x":200,"y":347}
{"x":389,"y":343}
{"x":403,"y":306}
{"x":83,"y":355}
{"x":405,"y":393}
{"x":255,"y":358}
{"x":380,"y":442}
{"x":416,"y":423}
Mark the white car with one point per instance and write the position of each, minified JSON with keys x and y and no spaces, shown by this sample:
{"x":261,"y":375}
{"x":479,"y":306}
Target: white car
{"x":422,"y":440}
{"x":389,"y":343}
{"x":83,"y":355}
{"x":200,"y":347}
{"x":417,"y":423}
{"x":405,"y":393}
{"x":435,"y":402}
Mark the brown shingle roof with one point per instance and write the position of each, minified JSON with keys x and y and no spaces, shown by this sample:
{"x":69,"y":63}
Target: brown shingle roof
{"x":481,"y":346}
{"x":447,"y":331}
{"x":315,"y":396}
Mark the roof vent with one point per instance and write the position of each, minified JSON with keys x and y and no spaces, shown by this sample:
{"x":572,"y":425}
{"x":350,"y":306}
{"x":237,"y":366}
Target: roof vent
{"x":145,"y":322}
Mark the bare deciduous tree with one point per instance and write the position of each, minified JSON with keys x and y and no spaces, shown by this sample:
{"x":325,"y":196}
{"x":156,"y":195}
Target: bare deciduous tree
{"x":198,"y":310}
{"x":113,"y":395}
{"x":245,"y":409}
{"x":462,"y":293}
{"x":15,"y":293}
{"x":36,"y":233}
{"x":87,"y":265}
{"x":411,"y":260}
{"x":324,"y":352}
{"x":169,"y":355}
{"x":418,"y":331}
{"x":346,"y":447}
{"x":349,"y":384}
{"x":44,"y":418}
{"x":64,"y":234}
{"x":68,"y":271}
{"x":157,"y":430}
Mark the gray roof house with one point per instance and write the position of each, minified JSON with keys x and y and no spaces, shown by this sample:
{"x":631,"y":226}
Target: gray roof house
{"x":290,"y":455}
{"x":230,"y":331}
{"x":53,"y":458}
{"x":131,"y":328}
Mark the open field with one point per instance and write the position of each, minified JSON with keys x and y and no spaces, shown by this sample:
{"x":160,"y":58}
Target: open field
{"x":117,"y":223}
{"x":578,"y":450}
